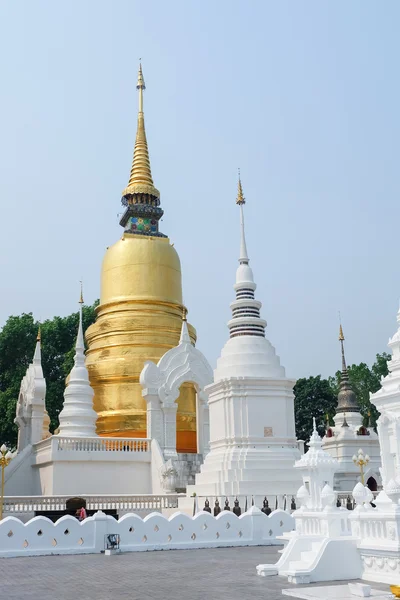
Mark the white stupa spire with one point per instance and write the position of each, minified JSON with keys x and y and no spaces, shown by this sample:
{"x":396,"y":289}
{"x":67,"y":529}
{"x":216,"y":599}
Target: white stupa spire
{"x":37,"y":357}
{"x":37,"y":362}
{"x":78,"y":418}
{"x":245,"y":309}
{"x":243,"y":258}
{"x":247,"y":353}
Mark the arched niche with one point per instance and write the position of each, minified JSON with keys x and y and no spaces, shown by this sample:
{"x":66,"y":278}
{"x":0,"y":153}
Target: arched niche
{"x":161,"y":383}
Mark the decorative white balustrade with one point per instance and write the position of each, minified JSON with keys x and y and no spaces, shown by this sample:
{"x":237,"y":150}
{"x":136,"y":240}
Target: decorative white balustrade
{"x":155,"y":532}
{"x":138,"y":502}
{"x":372,"y":526}
{"x":95,"y":444}
{"x":331,"y":523}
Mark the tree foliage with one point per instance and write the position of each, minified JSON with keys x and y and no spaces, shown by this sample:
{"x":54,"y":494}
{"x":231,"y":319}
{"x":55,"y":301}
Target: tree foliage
{"x":317,"y":397}
{"x":313,"y":397}
{"x":17,"y":345}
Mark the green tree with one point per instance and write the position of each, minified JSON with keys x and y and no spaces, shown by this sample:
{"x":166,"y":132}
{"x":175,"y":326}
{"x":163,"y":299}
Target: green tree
{"x":17,"y":345}
{"x":313,"y":397}
{"x":365,"y":380}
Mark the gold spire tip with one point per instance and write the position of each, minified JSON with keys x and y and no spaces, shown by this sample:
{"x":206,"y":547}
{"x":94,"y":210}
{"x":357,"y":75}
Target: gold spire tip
{"x":140,"y":82}
{"x":140,"y":179}
{"x":341,"y":336}
{"x":240,"y":198}
{"x":81,"y":296}
{"x":39,"y":335}
{"x":184,"y":313}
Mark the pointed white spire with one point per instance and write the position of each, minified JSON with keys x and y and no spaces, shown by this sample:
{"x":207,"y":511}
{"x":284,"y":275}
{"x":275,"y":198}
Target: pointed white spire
{"x":315,"y":439}
{"x":394,"y":344}
{"x":78,"y":418}
{"x":244,"y":273}
{"x":37,"y":357}
{"x":315,"y":454}
{"x":185,"y":337}
{"x":243,"y":258}
{"x":245,"y":309}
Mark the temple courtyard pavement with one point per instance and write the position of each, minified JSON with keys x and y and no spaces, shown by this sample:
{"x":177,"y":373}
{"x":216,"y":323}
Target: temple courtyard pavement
{"x":219,"y":573}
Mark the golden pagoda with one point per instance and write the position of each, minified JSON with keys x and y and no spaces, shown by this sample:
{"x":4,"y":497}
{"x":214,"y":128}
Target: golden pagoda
{"x":140,"y":313}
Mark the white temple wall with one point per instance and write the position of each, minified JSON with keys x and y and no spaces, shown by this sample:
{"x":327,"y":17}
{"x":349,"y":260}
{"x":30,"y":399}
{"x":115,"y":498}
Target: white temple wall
{"x":20,"y":479}
{"x":69,"y":536}
{"x":95,"y":477}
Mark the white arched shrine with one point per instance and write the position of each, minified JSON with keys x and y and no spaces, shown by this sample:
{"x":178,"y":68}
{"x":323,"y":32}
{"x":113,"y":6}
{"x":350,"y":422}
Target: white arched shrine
{"x":161,"y":383}
{"x":31,"y":414}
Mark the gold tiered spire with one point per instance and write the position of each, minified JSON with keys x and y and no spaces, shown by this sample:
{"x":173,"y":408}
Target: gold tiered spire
{"x":141,"y":181}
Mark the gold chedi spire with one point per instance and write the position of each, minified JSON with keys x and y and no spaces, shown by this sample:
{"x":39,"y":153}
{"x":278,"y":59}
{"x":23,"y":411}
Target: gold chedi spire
{"x":39,"y":335}
{"x":81,"y":295}
{"x":141,"y":181}
{"x":140,"y":313}
{"x":341,"y":336}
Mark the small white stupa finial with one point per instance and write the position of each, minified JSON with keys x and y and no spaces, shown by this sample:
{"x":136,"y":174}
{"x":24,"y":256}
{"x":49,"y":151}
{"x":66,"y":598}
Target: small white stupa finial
{"x":185,"y":337}
{"x":240,"y":200}
{"x":37,"y":357}
{"x":78,"y":418}
{"x":315,"y":439}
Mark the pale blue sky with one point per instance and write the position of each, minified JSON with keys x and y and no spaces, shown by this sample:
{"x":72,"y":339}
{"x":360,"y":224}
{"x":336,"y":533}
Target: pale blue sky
{"x":302,"y":95}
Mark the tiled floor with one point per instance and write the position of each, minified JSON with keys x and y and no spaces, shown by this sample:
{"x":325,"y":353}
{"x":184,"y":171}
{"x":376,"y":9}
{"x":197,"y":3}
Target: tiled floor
{"x":217,"y":574}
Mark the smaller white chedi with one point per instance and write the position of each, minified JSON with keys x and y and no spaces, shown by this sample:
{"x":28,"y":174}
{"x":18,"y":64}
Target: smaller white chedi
{"x":253,"y":443}
{"x":78,"y":418}
{"x":344,"y":440}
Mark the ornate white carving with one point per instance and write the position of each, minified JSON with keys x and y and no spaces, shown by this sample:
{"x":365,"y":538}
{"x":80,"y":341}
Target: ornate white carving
{"x":161,"y":383}
{"x":31,"y":410}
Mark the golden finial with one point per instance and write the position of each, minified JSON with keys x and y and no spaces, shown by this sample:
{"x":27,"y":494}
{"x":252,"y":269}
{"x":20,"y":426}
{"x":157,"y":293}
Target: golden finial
{"x":81,"y":296}
{"x":140,"y":180}
{"x":240,"y":198}
{"x":184,"y":313}
{"x":39,"y":335}
{"x":140,"y":82}
{"x":341,"y":336}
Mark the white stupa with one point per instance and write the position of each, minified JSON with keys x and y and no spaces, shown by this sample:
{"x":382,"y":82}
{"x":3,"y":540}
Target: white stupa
{"x":253,"y":444}
{"x":78,"y":418}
